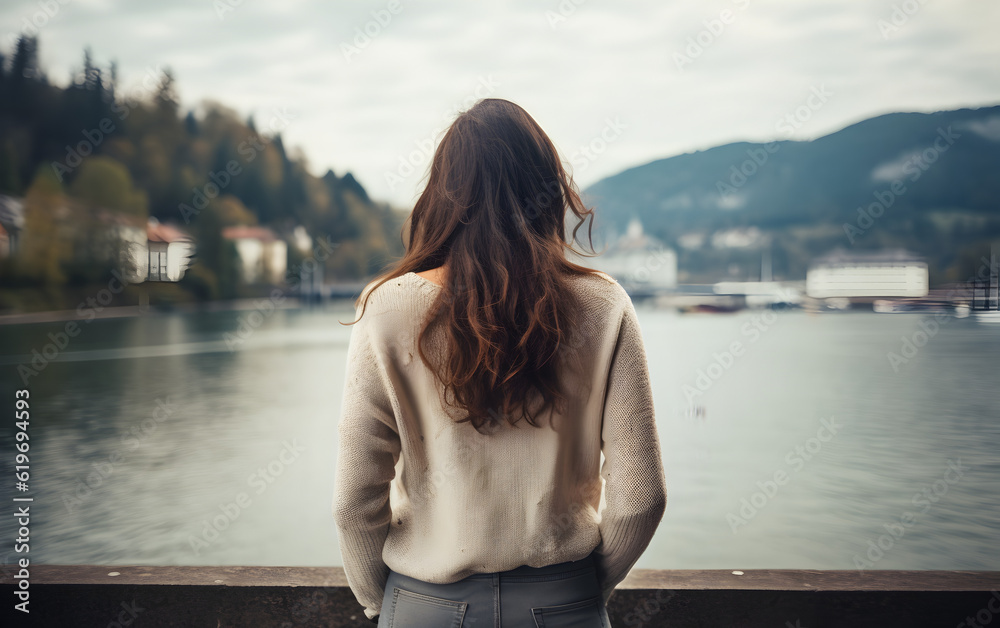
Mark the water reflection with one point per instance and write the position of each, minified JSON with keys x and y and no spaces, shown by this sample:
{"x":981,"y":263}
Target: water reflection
{"x":155,"y":443}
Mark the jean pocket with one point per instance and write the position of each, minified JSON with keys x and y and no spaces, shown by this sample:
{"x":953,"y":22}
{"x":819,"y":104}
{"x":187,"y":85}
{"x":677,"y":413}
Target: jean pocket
{"x":416,"y":610}
{"x":583,"y":614}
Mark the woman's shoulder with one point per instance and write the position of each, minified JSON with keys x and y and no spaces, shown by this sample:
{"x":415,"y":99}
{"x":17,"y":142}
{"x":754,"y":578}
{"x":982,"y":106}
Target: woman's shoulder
{"x":602,"y":286}
{"x":405,"y":296}
{"x":398,"y":298}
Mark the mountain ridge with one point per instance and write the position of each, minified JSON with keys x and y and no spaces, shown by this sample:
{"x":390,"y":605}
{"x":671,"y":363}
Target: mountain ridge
{"x":935,"y":174}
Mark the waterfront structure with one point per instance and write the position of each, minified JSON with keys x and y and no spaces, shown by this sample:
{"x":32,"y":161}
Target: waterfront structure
{"x":638,"y":261}
{"x":168,"y":252}
{"x":11,"y":223}
{"x":263,"y":255}
{"x":762,"y":293}
{"x":867,"y":275}
{"x":158,"y":252}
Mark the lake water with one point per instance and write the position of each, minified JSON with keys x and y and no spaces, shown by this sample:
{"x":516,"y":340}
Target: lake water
{"x":802,"y":447}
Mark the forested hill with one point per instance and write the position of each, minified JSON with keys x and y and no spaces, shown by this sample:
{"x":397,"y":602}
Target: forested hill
{"x":928,"y":182}
{"x":142,"y":154}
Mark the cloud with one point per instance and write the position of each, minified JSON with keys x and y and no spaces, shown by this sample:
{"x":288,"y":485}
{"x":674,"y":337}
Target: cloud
{"x":361,"y":112}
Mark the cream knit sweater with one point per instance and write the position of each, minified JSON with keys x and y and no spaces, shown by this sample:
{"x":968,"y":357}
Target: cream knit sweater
{"x":435,"y":500}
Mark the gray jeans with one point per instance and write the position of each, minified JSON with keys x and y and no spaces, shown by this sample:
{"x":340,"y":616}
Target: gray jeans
{"x":566,"y":594}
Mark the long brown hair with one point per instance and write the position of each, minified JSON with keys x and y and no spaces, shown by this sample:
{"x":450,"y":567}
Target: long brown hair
{"x":493,"y":210}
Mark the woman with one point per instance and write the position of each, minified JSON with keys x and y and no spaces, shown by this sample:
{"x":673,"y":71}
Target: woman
{"x":486,"y":375}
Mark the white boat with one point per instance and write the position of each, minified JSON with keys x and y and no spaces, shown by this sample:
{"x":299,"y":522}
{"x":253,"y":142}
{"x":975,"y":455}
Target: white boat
{"x":988,"y":316}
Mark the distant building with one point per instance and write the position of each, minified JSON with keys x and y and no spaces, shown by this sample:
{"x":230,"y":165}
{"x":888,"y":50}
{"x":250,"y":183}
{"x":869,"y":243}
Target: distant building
{"x":263,"y":255}
{"x":11,"y":223}
{"x":862,"y":275}
{"x":739,"y":238}
{"x":141,"y":249}
{"x":155,"y":252}
{"x":168,"y":252}
{"x":638,"y":261}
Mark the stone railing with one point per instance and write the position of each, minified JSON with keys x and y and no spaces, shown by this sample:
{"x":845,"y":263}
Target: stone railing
{"x":102,"y":596}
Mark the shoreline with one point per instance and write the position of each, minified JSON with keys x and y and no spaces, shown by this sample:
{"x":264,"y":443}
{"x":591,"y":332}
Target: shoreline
{"x":125,"y":311}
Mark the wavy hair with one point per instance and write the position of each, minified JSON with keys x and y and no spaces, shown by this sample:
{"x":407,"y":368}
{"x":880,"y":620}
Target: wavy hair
{"x":493,"y":213}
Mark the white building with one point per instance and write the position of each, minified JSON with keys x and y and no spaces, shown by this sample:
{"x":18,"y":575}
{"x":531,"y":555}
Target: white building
{"x":637,"y":260}
{"x":168,"y":252}
{"x":159,"y":252}
{"x":845,"y":274}
{"x":263,"y":256}
{"x":11,"y":223}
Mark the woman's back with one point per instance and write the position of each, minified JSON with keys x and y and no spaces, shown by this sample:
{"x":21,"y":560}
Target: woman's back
{"x":462,"y":502}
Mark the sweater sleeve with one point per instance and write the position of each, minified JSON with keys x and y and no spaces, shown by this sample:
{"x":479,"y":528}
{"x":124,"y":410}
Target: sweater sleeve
{"x":369,"y":447}
{"x":634,"y":485}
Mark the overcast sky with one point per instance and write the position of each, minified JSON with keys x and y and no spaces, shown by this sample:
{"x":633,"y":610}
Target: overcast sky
{"x":621,"y":76}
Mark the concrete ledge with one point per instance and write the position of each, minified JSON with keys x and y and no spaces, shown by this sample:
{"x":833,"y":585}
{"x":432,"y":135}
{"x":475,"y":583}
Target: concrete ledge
{"x":290,"y":597}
